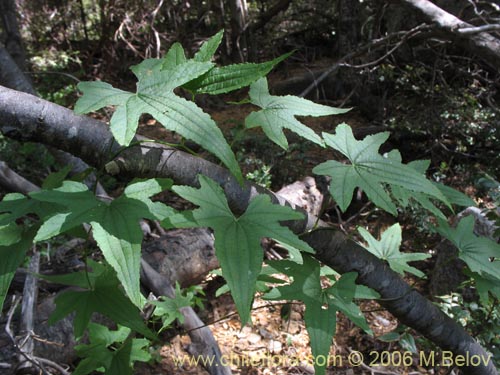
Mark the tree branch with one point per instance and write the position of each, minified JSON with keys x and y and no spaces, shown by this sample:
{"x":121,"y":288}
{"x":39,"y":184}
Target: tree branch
{"x":25,"y":117}
{"x":481,"y":43}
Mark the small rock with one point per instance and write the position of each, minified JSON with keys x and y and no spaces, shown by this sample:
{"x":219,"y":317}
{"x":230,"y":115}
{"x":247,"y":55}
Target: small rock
{"x":265,"y":333}
{"x":254,"y":338}
{"x":275,"y":346}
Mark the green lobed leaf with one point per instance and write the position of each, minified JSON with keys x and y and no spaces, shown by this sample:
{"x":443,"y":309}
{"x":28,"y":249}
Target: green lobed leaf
{"x":155,"y":96}
{"x":341,"y":295}
{"x":104,"y":297}
{"x":97,"y":95}
{"x":220,"y":80}
{"x":473,"y":250}
{"x":115,"y":225}
{"x":237,"y":239}
{"x":278,"y":112}
{"x":96,"y":354}
{"x":321,"y":304}
{"x":169,"y":308}
{"x":388,"y":249}
{"x":370,"y":171}
{"x":101,"y":351}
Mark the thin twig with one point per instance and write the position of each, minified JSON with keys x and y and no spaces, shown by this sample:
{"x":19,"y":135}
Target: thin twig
{"x":405,"y":35}
{"x":8,"y":330}
{"x":478,"y":29}
{"x":52,"y":364}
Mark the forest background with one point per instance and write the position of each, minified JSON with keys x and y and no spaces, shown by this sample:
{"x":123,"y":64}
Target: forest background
{"x":427,"y":72}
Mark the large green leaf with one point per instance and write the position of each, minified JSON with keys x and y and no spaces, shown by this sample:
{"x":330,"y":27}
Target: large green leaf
{"x":237,"y":239}
{"x":220,"y":80}
{"x":101,"y":351}
{"x":403,"y":195}
{"x":15,"y":205}
{"x":370,"y":171}
{"x":98,"y":95}
{"x":156,"y":81}
{"x":321,"y":304}
{"x":278,"y":112}
{"x":104,"y":297}
{"x":388,"y":249}
{"x":473,"y":250}
{"x":115,"y":225}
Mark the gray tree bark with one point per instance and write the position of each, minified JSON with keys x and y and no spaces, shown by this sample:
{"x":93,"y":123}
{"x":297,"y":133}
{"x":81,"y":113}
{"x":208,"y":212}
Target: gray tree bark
{"x":453,"y":28}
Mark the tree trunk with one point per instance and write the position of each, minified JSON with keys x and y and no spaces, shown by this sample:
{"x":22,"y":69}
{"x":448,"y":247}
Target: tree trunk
{"x":13,"y":40}
{"x":239,"y":14}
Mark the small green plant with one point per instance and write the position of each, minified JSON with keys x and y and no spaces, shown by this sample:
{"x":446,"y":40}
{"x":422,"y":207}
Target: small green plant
{"x":481,"y":318}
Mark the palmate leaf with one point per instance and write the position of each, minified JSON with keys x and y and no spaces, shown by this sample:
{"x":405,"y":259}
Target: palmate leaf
{"x":115,"y":224}
{"x":370,"y":171}
{"x":104,"y":297}
{"x":473,"y":250}
{"x":321,"y":304}
{"x":96,"y":354}
{"x":388,"y":249}
{"x":15,"y":205}
{"x":278,"y":112}
{"x":237,"y":239}
{"x":155,"y":96}
{"x":169,"y":308}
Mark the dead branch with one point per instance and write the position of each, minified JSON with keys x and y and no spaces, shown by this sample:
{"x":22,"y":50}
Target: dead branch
{"x":203,"y":342}
{"x":373,"y":45}
{"x":30,"y":296}
{"x":481,"y":43}
{"x":11,"y":181}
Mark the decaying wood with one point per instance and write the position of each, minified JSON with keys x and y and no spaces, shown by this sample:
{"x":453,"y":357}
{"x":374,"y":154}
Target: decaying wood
{"x":27,"y":324}
{"x":11,"y":181}
{"x":304,"y":194}
{"x":183,"y":255}
{"x":453,"y":28}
